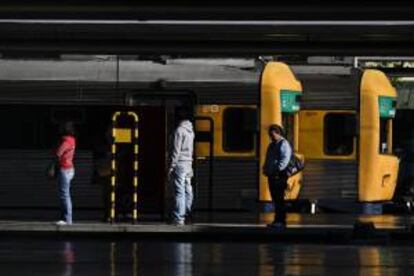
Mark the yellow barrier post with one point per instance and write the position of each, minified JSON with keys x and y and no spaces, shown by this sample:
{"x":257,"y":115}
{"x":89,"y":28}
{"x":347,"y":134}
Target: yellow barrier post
{"x":135,"y":196}
{"x":123,"y":135}
{"x":113,"y":167}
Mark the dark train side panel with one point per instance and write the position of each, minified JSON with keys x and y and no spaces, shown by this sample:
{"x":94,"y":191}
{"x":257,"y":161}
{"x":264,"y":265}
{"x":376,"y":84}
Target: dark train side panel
{"x":335,"y":179}
{"x":235,"y":184}
{"x":24,"y":183}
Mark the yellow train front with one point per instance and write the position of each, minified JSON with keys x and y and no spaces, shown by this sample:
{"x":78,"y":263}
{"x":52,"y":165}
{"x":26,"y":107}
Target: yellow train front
{"x":346,"y":137}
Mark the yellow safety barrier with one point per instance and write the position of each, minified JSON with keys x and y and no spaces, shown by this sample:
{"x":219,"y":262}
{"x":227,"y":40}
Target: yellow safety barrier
{"x":124,"y":135}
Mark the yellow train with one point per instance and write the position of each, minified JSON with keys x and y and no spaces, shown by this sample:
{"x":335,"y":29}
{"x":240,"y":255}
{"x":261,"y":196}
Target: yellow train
{"x":341,"y":124}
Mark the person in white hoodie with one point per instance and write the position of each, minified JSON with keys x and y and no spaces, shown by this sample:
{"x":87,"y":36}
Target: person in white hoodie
{"x":180,"y":169}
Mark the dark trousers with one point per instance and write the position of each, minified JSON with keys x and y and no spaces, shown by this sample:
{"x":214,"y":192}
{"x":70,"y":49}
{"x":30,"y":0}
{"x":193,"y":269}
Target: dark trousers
{"x":277,"y":187}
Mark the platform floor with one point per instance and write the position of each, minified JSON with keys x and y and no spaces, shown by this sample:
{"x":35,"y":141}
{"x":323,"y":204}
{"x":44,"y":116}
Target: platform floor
{"x":336,"y":228}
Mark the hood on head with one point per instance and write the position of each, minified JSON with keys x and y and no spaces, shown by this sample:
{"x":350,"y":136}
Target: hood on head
{"x":186,"y":124}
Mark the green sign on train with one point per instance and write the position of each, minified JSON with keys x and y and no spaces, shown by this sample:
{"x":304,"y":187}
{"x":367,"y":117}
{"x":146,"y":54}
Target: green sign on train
{"x":289,"y":101}
{"x":386,"y":107}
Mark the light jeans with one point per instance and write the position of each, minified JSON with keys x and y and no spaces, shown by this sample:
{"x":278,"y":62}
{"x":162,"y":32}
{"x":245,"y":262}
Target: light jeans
{"x":64,"y":179}
{"x":182,"y":191}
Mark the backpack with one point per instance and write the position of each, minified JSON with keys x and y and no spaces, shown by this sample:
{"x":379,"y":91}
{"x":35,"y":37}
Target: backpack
{"x":294,"y":166}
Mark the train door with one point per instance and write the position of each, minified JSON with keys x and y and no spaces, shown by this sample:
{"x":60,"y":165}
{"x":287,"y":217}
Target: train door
{"x":152,"y":147}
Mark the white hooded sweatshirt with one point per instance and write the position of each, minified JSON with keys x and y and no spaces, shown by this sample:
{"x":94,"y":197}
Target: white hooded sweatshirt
{"x":183,"y":143}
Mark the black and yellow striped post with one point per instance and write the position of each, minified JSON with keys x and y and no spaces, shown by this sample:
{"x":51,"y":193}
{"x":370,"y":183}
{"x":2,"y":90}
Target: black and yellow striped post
{"x":113,"y":167}
{"x":124,"y":135}
{"x":135,"y":179}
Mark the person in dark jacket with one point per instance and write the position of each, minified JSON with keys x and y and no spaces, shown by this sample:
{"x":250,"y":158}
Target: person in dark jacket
{"x":278,"y":156}
{"x":65,"y":153}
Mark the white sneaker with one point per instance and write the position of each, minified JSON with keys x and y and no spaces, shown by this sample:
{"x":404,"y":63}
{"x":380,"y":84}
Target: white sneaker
{"x":177,"y":223}
{"x":61,"y":222}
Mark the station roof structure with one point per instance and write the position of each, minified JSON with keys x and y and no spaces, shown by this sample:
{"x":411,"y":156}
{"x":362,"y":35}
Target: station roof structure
{"x":213,"y":29}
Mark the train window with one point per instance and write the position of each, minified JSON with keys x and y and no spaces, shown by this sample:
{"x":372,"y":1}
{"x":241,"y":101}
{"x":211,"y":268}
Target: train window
{"x":339,"y":132}
{"x":288,"y":122}
{"x":239,"y":129}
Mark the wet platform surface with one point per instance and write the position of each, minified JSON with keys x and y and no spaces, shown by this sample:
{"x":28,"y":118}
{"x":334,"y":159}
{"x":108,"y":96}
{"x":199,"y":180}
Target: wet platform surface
{"x":231,"y":244}
{"x":132,"y":257}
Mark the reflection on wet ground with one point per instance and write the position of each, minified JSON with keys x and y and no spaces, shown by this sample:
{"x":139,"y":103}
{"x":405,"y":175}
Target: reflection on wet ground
{"x":85,"y":257}
{"x":381,"y":221}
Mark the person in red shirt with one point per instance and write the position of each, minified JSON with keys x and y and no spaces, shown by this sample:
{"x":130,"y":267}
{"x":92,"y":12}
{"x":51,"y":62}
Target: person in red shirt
{"x":65,"y":153}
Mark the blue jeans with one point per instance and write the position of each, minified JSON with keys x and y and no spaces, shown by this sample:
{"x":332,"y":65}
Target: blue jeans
{"x":64,"y":178}
{"x":183,"y":191}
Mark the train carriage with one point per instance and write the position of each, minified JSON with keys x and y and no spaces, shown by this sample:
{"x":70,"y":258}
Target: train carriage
{"x":346,"y":136}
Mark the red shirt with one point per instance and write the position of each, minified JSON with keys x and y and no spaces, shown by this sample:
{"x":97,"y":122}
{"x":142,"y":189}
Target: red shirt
{"x":66,"y":151}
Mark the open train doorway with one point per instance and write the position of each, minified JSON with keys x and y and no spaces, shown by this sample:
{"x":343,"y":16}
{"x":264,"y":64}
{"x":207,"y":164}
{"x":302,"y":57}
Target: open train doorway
{"x":157,"y":121}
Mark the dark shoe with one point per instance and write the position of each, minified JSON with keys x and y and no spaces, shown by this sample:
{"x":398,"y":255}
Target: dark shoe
{"x":277,"y":226}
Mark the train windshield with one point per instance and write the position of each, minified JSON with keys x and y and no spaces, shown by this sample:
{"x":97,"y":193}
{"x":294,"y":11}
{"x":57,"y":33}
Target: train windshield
{"x":290,"y":103}
{"x":288,"y":122}
{"x":387,"y":106}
